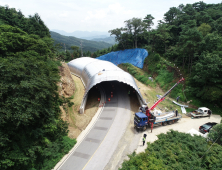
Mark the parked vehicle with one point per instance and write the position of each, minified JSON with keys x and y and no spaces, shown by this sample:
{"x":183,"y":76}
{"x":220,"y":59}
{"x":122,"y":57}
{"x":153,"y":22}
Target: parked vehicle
{"x":146,"y":118}
{"x":206,"y":127}
{"x":201,"y":112}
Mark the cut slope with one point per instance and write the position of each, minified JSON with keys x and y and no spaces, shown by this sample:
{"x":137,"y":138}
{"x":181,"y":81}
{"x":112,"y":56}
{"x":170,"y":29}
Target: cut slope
{"x":134,"y":56}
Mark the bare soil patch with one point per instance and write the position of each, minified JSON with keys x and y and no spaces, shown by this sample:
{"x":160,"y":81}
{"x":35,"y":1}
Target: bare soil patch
{"x":72,"y":86}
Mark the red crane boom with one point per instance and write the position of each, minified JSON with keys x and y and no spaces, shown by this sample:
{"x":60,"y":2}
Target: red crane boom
{"x":151,"y":118}
{"x":162,"y":98}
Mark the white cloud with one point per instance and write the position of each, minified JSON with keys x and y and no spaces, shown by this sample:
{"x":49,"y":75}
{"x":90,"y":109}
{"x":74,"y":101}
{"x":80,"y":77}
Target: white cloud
{"x":94,"y":15}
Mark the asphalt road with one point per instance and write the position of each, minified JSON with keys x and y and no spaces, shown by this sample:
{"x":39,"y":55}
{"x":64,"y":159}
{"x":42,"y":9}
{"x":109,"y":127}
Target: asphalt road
{"x":95,"y":151}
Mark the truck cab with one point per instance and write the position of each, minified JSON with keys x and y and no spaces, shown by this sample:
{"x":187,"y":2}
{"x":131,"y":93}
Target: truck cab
{"x":140,"y":121}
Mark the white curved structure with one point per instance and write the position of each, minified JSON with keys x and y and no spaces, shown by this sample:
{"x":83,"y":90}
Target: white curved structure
{"x":93,"y":71}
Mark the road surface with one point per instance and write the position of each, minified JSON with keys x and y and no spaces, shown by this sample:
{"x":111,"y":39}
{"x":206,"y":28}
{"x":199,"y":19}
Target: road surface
{"x":95,"y":151}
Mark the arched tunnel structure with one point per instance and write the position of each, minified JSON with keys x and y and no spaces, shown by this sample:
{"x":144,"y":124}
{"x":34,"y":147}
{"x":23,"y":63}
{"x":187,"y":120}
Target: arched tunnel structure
{"x":93,"y":71}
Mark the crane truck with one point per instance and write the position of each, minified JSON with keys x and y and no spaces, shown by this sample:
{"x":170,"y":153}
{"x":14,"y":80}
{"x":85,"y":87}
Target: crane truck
{"x":146,"y":118}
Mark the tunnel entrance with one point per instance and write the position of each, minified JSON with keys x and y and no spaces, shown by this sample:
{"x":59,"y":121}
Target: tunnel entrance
{"x":108,"y":88}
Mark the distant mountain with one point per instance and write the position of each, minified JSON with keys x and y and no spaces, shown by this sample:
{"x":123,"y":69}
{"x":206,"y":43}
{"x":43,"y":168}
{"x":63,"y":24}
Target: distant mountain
{"x":84,"y":34}
{"x":95,"y":37}
{"x":110,"y":40}
{"x":88,"y":45}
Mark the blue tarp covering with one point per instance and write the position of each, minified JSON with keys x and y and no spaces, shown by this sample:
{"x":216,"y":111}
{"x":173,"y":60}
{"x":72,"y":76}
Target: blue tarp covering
{"x":135,"y":57}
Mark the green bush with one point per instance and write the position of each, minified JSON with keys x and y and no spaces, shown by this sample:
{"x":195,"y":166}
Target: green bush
{"x":164,"y":67}
{"x":156,"y":57}
{"x":158,"y":66}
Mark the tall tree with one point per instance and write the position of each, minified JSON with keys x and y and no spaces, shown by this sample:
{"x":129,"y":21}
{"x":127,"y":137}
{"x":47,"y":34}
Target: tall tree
{"x":118,"y":32}
{"x":135,"y":26}
{"x":163,"y":34}
{"x":171,"y":15}
{"x":204,"y":29}
{"x":190,"y":39}
{"x":148,"y":20}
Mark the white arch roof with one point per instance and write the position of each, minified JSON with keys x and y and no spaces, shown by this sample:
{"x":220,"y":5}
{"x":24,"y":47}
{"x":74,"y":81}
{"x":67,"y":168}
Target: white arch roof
{"x":93,"y":71}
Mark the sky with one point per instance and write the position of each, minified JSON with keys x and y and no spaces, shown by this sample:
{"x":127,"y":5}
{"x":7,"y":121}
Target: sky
{"x":94,"y":15}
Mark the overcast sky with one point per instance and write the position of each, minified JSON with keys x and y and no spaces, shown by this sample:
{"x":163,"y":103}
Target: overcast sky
{"x":94,"y":15}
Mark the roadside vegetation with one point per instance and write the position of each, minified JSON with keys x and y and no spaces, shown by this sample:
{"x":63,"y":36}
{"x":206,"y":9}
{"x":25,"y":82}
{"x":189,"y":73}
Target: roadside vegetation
{"x":176,"y":150}
{"x":32,"y":133}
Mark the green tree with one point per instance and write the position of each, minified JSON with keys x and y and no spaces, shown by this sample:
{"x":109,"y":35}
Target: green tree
{"x":207,"y":74}
{"x":118,"y":32}
{"x":171,"y":15}
{"x":163,"y":35}
{"x":30,"y":123}
{"x":204,"y":29}
{"x":148,"y":20}
{"x":134,"y":27}
{"x":215,"y":134}
{"x":190,"y":40}
{"x":76,"y":52}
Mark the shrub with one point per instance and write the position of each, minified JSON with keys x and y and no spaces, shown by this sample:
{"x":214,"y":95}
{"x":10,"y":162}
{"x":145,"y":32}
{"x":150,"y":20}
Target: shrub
{"x":156,"y":57}
{"x":158,"y":66}
{"x":164,"y":67}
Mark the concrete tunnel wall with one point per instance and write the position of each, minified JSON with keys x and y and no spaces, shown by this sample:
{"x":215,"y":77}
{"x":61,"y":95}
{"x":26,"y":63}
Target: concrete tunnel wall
{"x":93,"y":71}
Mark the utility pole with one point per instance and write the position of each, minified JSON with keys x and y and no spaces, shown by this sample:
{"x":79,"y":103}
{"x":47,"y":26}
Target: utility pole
{"x":81,"y":48}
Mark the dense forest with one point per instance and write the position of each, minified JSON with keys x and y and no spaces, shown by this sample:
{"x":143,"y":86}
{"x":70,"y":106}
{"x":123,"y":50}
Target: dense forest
{"x":32,"y":133}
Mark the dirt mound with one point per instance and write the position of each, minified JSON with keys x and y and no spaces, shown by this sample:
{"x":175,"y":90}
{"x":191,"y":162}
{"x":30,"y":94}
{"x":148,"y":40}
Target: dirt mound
{"x":67,"y":85}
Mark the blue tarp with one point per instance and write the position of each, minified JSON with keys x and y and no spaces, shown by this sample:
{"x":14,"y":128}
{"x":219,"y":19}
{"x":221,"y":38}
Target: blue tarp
{"x":135,"y":57}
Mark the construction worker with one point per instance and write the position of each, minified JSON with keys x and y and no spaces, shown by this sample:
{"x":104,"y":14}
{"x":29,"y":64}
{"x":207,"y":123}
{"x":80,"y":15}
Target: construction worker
{"x":144,"y":139}
{"x":176,"y":112}
{"x":209,"y":113}
{"x":178,"y":98}
{"x":144,"y":135}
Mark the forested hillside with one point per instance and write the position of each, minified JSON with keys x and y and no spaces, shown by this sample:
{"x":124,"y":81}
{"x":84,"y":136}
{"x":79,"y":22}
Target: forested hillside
{"x":190,"y":36}
{"x":32,"y":134}
{"x":69,"y":41}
